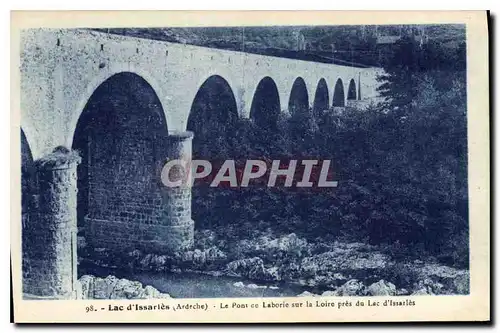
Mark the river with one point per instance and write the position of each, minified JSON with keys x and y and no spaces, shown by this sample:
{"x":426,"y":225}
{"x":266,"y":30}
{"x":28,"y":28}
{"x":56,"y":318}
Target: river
{"x":196,"y":285}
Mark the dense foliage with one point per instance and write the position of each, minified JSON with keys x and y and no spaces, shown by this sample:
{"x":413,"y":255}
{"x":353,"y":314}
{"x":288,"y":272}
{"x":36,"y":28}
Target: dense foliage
{"x":401,"y":167}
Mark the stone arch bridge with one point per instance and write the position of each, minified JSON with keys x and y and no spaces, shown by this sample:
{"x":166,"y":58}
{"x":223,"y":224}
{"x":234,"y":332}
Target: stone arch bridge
{"x":61,"y":69}
{"x":125,"y":104}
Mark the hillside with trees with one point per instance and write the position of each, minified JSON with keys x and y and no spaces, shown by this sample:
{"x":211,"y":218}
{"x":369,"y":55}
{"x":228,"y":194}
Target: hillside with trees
{"x":361,"y":44}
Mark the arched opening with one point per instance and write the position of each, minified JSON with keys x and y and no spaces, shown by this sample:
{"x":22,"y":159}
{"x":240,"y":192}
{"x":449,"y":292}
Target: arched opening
{"x":321,"y":97}
{"x":28,"y":176}
{"x":120,"y":135}
{"x":212,"y":118}
{"x":265,"y":107}
{"x":351,"y":92}
{"x":338,"y":94}
{"x":299,"y":99}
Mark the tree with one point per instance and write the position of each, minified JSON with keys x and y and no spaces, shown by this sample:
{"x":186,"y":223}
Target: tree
{"x":398,"y":87}
{"x":410,"y":59}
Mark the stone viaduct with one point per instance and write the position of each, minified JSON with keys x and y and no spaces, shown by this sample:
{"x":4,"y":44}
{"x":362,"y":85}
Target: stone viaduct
{"x":125,"y":105}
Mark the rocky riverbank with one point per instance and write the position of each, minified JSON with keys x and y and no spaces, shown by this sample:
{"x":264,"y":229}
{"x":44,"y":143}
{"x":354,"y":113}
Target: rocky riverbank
{"x":326,"y":268}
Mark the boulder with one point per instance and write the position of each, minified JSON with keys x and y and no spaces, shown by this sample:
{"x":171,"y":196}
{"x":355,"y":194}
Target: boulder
{"x":136,"y":254}
{"x":421,"y":291}
{"x":150,"y":292}
{"x":81,"y":243}
{"x":272,"y":274}
{"x":85,"y":287}
{"x":145,"y":262}
{"x":133,"y":290}
{"x":430,"y":286}
{"x":199,"y":257}
{"x":204,"y":238}
{"x":292,"y":244}
{"x":202,"y":259}
{"x":453,"y":280}
{"x":239,"y":284}
{"x":402,"y":291}
{"x":461,"y":284}
{"x":435,"y":287}
{"x":320,"y":280}
{"x":118,"y":292}
{"x":350,"y":288}
{"x":339,"y":276}
{"x":158,"y":262}
{"x":342,"y":260}
{"x":271,"y":248}
{"x":306,"y":294}
{"x":104,"y":287}
{"x":252,"y":268}
{"x":371,"y":261}
{"x":381,"y":288}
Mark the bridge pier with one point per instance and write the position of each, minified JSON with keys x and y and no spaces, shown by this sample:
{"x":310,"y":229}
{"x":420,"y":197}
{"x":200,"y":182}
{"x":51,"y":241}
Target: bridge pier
{"x":156,"y":219}
{"x":177,"y":232}
{"x":49,"y":235}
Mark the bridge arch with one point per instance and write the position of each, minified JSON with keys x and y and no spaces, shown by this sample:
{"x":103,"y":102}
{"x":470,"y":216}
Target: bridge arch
{"x":265,"y":107}
{"x":351,"y":91}
{"x":321,"y":97}
{"x":33,"y":138}
{"x":101,"y":77}
{"x":120,"y":135}
{"x":338,"y":94}
{"x":201,"y":78}
{"x":299,"y":98}
{"x":213,"y":113}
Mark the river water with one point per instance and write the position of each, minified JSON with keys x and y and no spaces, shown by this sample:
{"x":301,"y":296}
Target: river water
{"x":196,"y":285}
